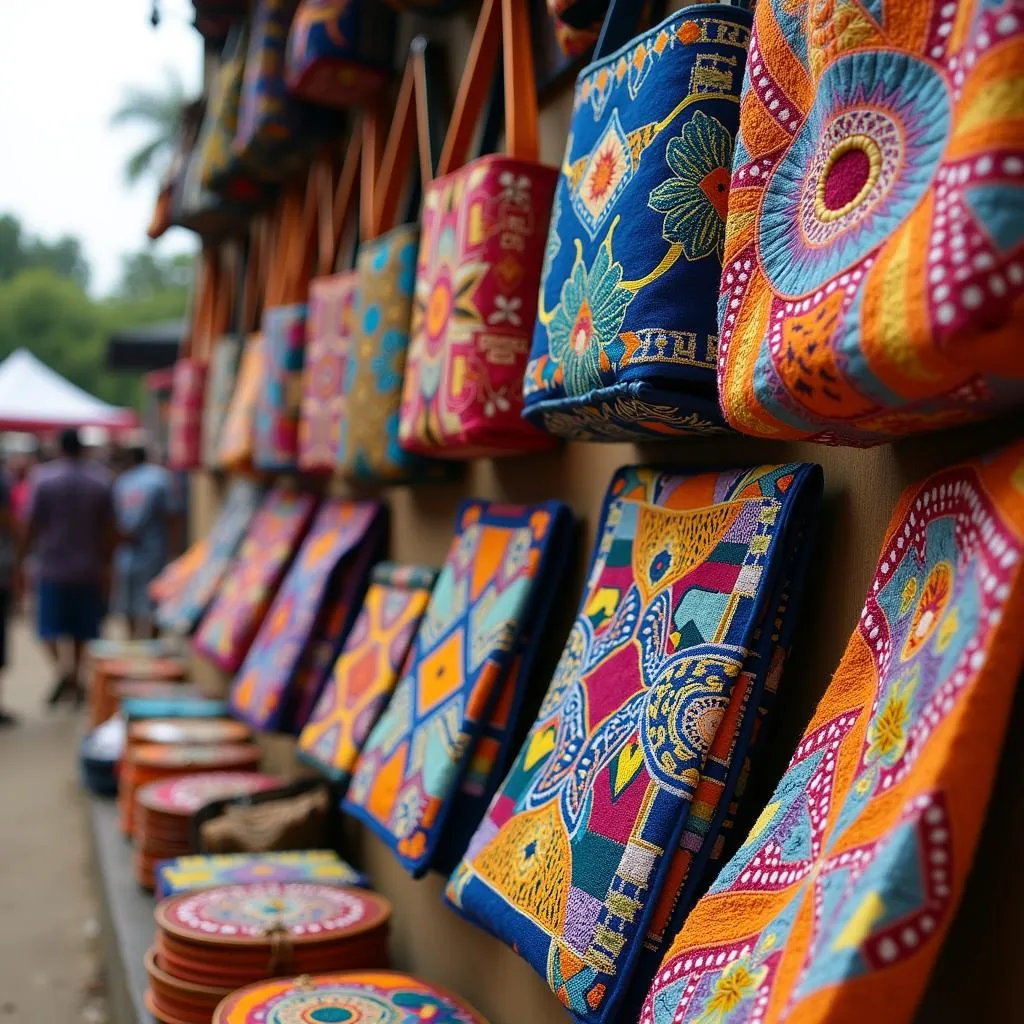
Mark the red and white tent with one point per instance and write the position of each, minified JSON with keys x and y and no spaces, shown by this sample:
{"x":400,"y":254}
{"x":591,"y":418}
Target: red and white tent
{"x":36,"y":399}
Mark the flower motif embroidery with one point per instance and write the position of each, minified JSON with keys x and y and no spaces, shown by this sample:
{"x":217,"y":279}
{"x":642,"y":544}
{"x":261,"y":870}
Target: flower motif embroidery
{"x":887,"y":731}
{"x":695,"y":200}
{"x":588,"y":319}
{"x":737,"y":983}
{"x":506,"y":310}
{"x":515,"y":188}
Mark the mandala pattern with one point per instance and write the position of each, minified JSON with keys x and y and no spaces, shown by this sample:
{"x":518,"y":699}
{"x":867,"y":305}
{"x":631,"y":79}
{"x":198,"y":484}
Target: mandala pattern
{"x":277,"y":686}
{"x":504,"y":562}
{"x":329,"y":332}
{"x":249,"y":585}
{"x":627,"y":776}
{"x":185,"y":795}
{"x":366,"y":997}
{"x":185,"y":605}
{"x":369,"y":448}
{"x":873,"y":256}
{"x":366,"y":672}
{"x":838,"y":901}
{"x":279,"y":401}
{"x":207,"y":871}
{"x":475,"y":303}
{"x":638,"y":221}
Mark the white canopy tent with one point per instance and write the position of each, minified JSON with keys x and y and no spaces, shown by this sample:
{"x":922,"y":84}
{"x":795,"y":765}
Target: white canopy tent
{"x":36,"y":399}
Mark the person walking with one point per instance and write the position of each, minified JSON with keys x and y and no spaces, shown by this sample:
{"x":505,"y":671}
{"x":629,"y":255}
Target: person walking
{"x":71,"y":532}
{"x":8,"y":558}
{"x":144,"y":499}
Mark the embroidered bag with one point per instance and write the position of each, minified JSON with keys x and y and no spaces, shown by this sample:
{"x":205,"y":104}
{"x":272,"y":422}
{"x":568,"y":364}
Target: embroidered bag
{"x":182,"y":609}
{"x":479,"y":265}
{"x":329,"y":325}
{"x":835,"y":907}
{"x":278,"y":400}
{"x":339,"y":52}
{"x":635,"y":754}
{"x":504,"y":560}
{"x":235,"y":447}
{"x":874,"y":268}
{"x":386,"y":265}
{"x":249,"y":586}
{"x":364,"y":677}
{"x":626,"y":337}
{"x":274,"y":689}
{"x":577,"y":24}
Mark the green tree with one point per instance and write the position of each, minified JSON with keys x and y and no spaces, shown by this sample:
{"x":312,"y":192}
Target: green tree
{"x":146,"y":274}
{"x":21,"y":251}
{"x":159,"y":112}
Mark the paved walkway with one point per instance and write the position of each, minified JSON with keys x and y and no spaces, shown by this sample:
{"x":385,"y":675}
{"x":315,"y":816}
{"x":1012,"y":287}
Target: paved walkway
{"x":47,"y":964}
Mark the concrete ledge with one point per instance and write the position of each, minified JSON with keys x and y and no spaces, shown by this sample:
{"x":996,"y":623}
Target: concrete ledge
{"x":126,"y":916}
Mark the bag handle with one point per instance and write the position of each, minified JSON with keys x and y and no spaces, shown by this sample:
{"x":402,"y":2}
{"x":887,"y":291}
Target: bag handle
{"x":254,"y":280}
{"x":504,"y":24}
{"x":622,"y":23}
{"x":336,"y":203}
{"x":411,"y":126}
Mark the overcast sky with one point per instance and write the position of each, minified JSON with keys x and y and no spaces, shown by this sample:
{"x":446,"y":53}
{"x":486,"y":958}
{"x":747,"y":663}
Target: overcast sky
{"x":64,"y":67}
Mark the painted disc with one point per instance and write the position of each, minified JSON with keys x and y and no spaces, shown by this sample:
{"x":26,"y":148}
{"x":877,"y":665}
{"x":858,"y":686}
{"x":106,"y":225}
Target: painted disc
{"x":197,"y":730}
{"x":185,"y":795}
{"x":214,"y":755}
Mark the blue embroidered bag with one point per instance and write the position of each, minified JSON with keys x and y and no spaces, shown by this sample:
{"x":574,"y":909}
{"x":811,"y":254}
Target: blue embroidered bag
{"x":625,"y":345}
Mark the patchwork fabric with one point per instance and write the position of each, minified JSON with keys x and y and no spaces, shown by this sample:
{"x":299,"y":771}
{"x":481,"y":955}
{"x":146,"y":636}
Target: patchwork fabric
{"x":182,"y":610}
{"x":366,"y":672}
{"x":248,"y":587}
{"x":278,"y":401}
{"x":626,"y":777}
{"x":626,"y":340}
{"x":282,"y":675}
{"x":835,"y":907}
{"x":376,"y":365}
{"x":474,"y":306}
{"x":873,"y":265}
{"x":503,"y":561}
{"x":332,"y":302}
{"x":206,"y":871}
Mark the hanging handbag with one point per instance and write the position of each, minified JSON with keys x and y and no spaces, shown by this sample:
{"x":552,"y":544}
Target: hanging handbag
{"x":625,"y":343}
{"x":577,"y":24}
{"x":479,"y":265}
{"x":329,"y":325}
{"x":276,"y":424}
{"x":873,"y":262}
{"x":211,"y":311}
{"x":386,"y":262}
{"x":339,"y":52}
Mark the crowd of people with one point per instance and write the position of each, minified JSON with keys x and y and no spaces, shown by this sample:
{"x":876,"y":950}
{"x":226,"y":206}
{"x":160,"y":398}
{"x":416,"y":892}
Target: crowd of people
{"x":81,"y":537}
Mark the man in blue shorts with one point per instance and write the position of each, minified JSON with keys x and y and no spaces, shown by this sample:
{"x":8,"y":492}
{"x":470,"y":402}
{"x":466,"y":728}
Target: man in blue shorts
{"x":71,"y":531}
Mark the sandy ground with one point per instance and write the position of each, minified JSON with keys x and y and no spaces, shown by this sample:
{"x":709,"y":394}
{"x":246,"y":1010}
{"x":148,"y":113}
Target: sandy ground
{"x":48,"y":964}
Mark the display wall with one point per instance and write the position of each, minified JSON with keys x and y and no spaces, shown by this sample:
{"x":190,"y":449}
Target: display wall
{"x":976,"y":976}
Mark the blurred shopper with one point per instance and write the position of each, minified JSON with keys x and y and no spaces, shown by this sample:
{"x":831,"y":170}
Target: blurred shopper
{"x":8,"y":555}
{"x":144,"y":498}
{"x":71,"y":532}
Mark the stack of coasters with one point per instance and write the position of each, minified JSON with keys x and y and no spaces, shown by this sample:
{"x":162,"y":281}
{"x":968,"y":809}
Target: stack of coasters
{"x":163,"y":813}
{"x":154,"y":762}
{"x":496,"y":585}
{"x":233,"y":935}
{"x":351,"y":996}
{"x":172,"y":1001}
{"x":107,"y":673}
{"x":285,"y":669}
{"x":365,"y":674}
{"x":142,"y":689}
{"x":208,"y":870}
{"x":188,"y":731}
{"x":248,"y":587}
{"x":191,"y":705}
{"x":598,"y":841}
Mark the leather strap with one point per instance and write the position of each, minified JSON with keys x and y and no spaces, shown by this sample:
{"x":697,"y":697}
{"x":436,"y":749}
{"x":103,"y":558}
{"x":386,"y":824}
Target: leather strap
{"x":336,"y":202}
{"x":503,"y":27}
{"x":623,"y":21}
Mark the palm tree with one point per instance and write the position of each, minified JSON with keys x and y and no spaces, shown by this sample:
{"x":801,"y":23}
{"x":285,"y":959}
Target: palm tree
{"x":160,"y":111}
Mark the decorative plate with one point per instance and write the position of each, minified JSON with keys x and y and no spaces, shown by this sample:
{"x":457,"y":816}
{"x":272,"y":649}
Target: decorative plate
{"x":187,"y":794}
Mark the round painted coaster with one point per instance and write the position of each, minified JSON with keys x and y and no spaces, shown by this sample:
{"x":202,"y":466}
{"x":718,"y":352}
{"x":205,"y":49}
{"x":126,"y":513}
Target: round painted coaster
{"x":185,"y":794}
{"x":214,"y":755}
{"x":202,"y":731}
{"x":255,"y":915}
{"x":353,"y":997}
{"x":144,"y":668}
{"x":155,"y":689}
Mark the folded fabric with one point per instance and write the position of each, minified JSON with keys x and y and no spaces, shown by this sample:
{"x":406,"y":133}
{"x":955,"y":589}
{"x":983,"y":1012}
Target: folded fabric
{"x":277,"y":684}
{"x":183,"y":609}
{"x":874,"y":284}
{"x":626,"y":340}
{"x":206,"y":871}
{"x":248,"y":587}
{"x":503,"y":562}
{"x":677,"y":647}
{"x":366,"y":672}
{"x":835,"y":907}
